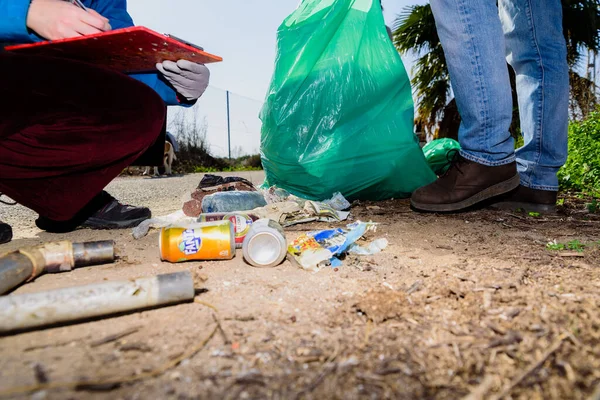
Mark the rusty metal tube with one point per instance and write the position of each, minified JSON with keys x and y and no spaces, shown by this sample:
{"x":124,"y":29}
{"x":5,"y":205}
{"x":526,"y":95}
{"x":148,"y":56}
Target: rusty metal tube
{"x":15,"y":268}
{"x":27,"y":311}
{"x":28,"y":263}
{"x":93,"y":253}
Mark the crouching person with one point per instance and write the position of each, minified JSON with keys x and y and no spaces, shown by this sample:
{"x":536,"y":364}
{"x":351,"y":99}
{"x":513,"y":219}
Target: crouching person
{"x":68,"y":128}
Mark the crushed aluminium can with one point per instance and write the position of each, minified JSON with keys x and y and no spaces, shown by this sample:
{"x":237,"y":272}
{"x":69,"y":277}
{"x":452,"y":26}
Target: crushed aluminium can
{"x":241,"y":223}
{"x":197,"y":242}
{"x":265,"y":245}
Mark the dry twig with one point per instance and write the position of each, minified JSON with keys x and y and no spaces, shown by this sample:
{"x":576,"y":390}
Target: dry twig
{"x":223,"y":334}
{"x":521,"y":377}
{"x":206,"y":304}
{"x":569,"y":254}
{"x":115,"y":337}
{"x":479,"y":392}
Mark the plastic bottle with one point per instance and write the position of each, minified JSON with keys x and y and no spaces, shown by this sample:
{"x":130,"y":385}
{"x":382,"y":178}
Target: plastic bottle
{"x":265,"y":245}
{"x":225,"y":202}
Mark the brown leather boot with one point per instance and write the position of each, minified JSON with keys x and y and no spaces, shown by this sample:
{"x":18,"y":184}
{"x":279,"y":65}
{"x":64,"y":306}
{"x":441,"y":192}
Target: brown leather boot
{"x":528,"y":200}
{"x":465,"y":184}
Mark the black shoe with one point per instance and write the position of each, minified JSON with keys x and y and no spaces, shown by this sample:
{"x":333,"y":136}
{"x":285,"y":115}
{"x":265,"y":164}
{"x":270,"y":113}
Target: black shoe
{"x":529,"y":200}
{"x":5,"y":233}
{"x":117,"y":216}
{"x":103,"y":212}
{"x":466,"y":184}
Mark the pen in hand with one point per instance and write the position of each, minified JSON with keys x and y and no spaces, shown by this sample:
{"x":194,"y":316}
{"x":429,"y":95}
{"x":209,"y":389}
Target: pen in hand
{"x":78,"y":3}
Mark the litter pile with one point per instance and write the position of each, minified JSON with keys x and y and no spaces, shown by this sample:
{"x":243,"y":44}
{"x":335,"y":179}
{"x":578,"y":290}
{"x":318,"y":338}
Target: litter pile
{"x":222,"y":215}
{"x":228,"y":213}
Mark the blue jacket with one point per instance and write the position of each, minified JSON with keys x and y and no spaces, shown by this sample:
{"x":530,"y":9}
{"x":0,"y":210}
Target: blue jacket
{"x":13,"y":29}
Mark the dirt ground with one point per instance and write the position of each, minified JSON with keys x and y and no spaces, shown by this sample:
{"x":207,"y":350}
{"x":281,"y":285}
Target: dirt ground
{"x":471,"y":305}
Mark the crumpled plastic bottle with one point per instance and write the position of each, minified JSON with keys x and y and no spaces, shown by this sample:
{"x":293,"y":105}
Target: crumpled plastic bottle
{"x":224,"y":202}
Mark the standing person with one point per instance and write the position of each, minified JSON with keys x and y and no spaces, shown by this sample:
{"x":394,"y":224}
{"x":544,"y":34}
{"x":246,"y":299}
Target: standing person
{"x":68,"y":128}
{"x":479,"y":37}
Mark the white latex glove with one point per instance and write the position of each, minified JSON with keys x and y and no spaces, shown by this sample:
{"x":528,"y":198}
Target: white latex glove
{"x":188,"y":78}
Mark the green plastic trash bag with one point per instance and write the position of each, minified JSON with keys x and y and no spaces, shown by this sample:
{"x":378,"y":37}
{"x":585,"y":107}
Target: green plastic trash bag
{"x":437,"y":153}
{"x":338,"y":116}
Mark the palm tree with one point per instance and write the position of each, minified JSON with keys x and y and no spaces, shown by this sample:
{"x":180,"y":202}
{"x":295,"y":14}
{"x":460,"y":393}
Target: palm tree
{"x":415,"y":32}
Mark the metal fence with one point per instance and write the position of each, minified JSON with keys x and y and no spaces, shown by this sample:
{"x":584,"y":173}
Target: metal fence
{"x":230,"y":122}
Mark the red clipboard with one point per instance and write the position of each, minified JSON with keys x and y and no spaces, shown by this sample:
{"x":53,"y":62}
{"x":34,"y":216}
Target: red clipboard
{"x":128,"y":50}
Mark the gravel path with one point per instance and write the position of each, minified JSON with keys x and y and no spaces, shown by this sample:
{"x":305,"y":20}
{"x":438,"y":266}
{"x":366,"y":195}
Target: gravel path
{"x":456,"y":305}
{"x":163,"y":195}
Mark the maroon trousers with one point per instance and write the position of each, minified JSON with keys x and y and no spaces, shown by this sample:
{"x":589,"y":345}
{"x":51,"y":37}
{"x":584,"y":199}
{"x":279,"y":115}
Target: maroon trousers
{"x":67,"y":129}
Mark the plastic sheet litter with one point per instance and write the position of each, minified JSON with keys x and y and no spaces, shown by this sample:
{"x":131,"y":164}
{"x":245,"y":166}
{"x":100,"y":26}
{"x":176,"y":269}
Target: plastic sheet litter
{"x":278,"y":211}
{"x":438,"y":154}
{"x":338,"y":202}
{"x":274,"y":195}
{"x":375,"y":247}
{"x":177,"y":217}
{"x":318,"y":249}
{"x":324,"y":212}
{"x":300,"y":212}
{"x":338,"y":116}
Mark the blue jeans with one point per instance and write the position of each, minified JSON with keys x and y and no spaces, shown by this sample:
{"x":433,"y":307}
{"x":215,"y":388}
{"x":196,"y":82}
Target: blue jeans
{"x":478,"y":39}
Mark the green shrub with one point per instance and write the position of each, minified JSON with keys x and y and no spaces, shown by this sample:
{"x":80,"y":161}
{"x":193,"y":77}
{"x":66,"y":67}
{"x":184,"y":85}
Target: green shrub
{"x":253,"y":161}
{"x":582,"y":170}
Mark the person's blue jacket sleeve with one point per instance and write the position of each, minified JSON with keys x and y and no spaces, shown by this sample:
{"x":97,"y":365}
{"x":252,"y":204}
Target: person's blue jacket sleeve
{"x":13,"y":21}
{"x":13,"y":29}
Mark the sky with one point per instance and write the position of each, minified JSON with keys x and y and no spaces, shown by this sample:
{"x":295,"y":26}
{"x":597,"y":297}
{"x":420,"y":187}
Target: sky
{"x":243,"y":32}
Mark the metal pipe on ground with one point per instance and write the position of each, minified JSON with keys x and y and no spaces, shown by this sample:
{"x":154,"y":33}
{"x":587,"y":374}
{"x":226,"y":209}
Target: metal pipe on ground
{"x":28,"y":311}
{"x":29,"y":263}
